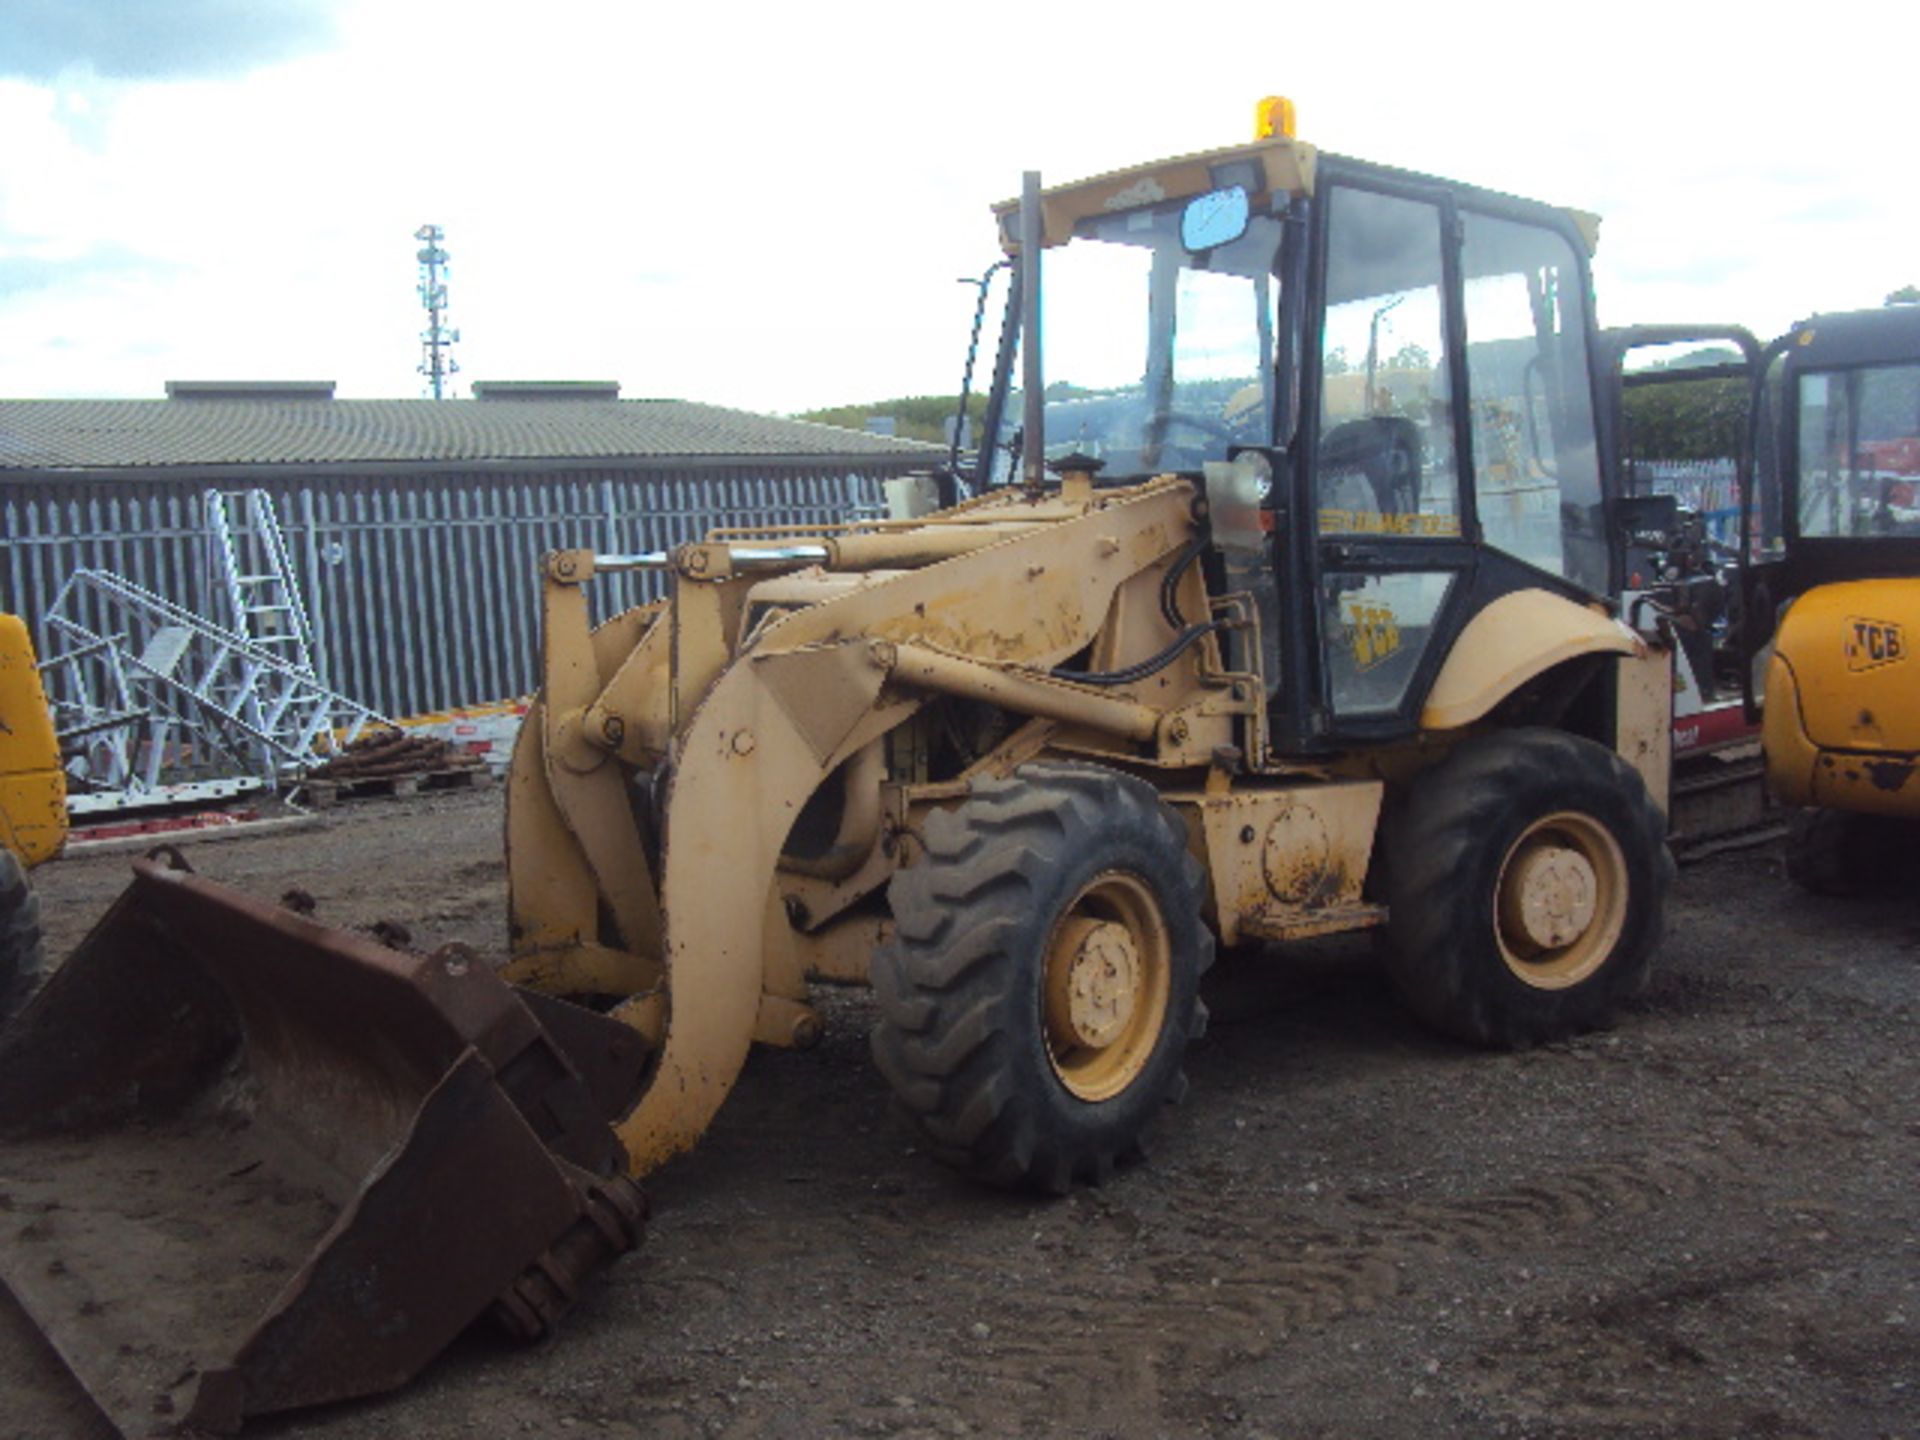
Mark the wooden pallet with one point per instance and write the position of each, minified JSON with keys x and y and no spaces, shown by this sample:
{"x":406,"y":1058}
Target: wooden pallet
{"x":324,"y":794}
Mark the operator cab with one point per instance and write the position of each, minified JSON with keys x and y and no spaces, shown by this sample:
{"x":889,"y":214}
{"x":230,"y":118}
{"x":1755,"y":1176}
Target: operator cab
{"x":1838,"y":496}
{"x":1386,"y":382}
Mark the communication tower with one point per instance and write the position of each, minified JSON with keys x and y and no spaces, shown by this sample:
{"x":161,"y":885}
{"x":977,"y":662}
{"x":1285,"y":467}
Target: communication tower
{"x":436,"y":341}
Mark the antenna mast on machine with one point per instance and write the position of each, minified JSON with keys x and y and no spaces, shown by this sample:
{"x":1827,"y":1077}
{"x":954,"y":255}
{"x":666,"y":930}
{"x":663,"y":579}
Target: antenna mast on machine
{"x":436,"y":341}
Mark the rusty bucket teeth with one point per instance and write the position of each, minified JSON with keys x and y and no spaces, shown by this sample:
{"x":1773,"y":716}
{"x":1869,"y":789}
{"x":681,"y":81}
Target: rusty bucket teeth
{"x":250,"y":1163}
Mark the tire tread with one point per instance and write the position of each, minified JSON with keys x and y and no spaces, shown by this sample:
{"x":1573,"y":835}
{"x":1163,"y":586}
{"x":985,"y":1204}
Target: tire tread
{"x":1442,"y":954}
{"x":949,"y":981}
{"x":21,"y":958}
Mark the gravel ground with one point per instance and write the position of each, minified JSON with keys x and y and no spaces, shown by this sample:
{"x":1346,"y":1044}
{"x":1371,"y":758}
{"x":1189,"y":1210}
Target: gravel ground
{"x":1699,"y":1223}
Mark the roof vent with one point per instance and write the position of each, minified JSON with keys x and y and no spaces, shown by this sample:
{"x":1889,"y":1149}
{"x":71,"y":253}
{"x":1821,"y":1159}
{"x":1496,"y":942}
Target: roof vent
{"x":250,"y":389}
{"x":546,"y":389}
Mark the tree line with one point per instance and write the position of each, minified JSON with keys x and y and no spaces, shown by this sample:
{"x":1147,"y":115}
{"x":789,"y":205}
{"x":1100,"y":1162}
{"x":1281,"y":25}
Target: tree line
{"x":915,"y":417}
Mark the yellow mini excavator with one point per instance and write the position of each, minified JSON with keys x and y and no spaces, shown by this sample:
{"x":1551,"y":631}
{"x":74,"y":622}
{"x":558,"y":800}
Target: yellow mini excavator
{"x":1836,"y":550}
{"x":1278,"y":610}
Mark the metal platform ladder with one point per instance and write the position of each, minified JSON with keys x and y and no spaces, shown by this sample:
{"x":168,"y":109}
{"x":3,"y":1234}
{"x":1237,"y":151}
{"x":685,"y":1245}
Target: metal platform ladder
{"x":159,"y":700}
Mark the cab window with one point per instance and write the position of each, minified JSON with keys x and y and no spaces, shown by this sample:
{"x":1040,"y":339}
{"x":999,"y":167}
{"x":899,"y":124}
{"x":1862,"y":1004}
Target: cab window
{"x":1859,"y":438}
{"x":1386,"y":462}
{"x":1536,"y":469}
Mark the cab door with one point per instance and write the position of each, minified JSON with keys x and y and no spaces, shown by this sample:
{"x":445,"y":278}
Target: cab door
{"x":1452,"y":454}
{"x":1385,"y":500}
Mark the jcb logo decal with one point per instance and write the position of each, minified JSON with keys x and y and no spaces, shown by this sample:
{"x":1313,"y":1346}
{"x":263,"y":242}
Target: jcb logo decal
{"x":1872,"y":643}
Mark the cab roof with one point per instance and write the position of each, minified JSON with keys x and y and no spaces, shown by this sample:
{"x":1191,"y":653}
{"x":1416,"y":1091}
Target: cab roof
{"x":1265,"y":168}
{"x":1856,"y":337}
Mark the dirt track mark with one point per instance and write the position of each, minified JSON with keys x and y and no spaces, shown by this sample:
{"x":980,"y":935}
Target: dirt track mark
{"x":1237,"y":1288}
{"x":1563,"y":1373}
{"x":1531,"y":1213}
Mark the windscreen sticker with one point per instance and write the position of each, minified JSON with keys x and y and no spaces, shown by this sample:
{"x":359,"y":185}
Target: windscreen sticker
{"x":1374,"y":633}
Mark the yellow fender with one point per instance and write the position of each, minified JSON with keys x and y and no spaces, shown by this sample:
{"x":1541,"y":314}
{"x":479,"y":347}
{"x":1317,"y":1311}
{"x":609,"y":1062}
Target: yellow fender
{"x":1507,"y":644}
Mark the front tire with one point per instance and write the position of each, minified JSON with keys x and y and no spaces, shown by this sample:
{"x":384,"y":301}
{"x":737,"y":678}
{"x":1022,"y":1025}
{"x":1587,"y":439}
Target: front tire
{"x":20,"y":949}
{"x":1527,"y":882}
{"x":1040,"y":990}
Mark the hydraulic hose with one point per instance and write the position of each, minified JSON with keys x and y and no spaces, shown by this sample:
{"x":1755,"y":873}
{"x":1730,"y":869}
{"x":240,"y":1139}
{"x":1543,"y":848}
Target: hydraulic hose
{"x":1151,"y":665}
{"x":1170,"y":611}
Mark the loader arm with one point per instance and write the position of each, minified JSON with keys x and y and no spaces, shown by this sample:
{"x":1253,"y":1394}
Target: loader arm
{"x":573,"y":839}
{"x":987,"y":613}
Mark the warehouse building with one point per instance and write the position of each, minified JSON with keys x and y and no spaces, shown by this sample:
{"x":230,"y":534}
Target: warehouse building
{"x":414,"y":527}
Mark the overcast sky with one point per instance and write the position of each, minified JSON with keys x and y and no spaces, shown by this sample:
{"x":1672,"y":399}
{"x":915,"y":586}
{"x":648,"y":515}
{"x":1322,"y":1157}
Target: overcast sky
{"x":769,"y":206}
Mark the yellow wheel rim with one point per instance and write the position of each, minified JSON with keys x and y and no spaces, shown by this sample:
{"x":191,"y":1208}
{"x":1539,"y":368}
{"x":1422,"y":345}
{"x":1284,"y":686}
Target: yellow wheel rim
{"x":1561,"y":902}
{"x":1105,"y":986}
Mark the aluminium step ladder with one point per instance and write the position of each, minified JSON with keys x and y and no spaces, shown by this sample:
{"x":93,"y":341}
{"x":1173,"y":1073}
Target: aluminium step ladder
{"x":247,"y":558}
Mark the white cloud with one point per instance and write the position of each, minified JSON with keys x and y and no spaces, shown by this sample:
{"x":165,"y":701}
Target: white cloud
{"x":769,"y":205}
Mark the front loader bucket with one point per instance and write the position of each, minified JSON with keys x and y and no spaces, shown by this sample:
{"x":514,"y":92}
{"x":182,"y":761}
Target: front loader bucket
{"x":250,"y":1163}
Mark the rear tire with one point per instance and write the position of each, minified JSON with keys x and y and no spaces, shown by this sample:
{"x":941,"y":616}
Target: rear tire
{"x":20,"y":948}
{"x":1840,"y":853}
{"x":1040,"y":990}
{"x":1527,"y":882}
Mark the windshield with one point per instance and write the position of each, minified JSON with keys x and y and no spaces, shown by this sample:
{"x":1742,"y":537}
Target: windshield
{"x":1859,"y":452}
{"x":1156,"y":359}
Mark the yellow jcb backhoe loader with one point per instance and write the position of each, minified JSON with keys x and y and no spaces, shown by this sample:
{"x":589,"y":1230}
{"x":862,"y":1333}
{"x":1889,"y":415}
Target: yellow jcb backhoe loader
{"x":1236,"y":638}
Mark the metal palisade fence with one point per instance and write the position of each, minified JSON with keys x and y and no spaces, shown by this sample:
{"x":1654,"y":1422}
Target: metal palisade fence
{"x":423,"y":590}
{"x":1709,"y":487}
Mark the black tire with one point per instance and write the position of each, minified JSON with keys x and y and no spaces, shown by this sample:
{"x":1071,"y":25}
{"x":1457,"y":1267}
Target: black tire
{"x":1020,"y":1083}
{"x":1840,"y":853}
{"x":1527,"y":883}
{"x":20,"y":957}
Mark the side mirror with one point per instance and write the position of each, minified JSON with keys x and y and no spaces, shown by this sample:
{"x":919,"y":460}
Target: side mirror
{"x":1217,"y":218}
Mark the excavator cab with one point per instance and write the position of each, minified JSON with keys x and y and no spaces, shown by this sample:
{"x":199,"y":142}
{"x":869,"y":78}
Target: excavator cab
{"x":1386,"y":384}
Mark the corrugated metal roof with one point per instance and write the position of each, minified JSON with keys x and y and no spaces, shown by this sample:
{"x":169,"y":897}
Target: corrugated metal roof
{"x":84,"y":434}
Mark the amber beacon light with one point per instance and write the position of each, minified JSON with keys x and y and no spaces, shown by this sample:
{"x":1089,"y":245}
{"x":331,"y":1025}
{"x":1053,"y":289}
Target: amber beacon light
{"x":1274,"y":116}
